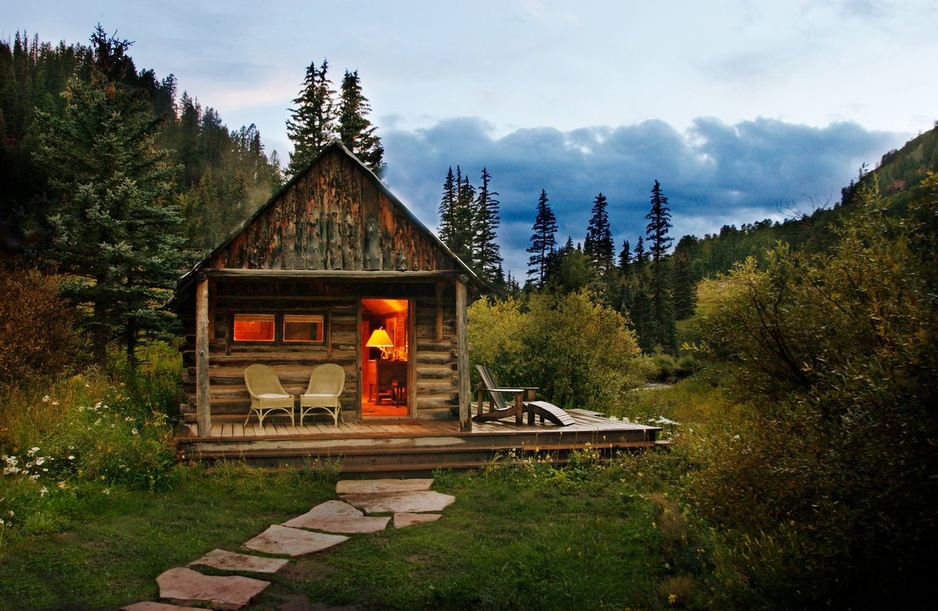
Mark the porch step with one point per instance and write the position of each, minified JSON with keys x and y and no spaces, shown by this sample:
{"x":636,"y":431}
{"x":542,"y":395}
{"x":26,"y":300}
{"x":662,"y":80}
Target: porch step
{"x":393,"y":455}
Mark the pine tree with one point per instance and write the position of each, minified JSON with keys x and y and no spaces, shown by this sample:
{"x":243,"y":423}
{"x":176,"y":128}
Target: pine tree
{"x":543,"y":241}
{"x":598,"y":246}
{"x":684,"y":285}
{"x":464,"y":218}
{"x":487,"y":258}
{"x":447,"y":209}
{"x":355,"y":129}
{"x":625,"y":257}
{"x":116,"y":231}
{"x":659,"y":222}
{"x":313,"y":123}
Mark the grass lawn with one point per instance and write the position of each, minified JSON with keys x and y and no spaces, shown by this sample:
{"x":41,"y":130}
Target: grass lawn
{"x":519,"y":537}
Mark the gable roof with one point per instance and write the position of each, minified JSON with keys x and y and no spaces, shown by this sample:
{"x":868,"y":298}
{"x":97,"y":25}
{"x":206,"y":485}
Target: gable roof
{"x":365,"y":229}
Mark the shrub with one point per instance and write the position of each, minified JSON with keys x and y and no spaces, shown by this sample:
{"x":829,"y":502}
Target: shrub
{"x":578,"y":353}
{"x":826,"y":482}
{"x":36,"y":334}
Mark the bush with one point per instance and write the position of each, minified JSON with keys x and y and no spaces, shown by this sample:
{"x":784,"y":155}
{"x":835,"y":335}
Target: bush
{"x":827,"y":482}
{"x":36,"y":334}
{"x":579,"y":354}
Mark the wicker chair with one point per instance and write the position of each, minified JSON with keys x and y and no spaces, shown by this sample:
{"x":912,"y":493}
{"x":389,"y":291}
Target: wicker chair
{"x":325,"y":385}
{"x":267,"y":394}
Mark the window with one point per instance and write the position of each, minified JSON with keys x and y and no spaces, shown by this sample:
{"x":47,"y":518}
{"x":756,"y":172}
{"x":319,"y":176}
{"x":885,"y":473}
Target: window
{"x":300,"y":328}
{"x":254,"y":327}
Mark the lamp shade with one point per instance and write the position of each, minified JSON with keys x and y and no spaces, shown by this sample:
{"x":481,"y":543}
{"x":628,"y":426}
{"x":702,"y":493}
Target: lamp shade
{"x":379,"y":339}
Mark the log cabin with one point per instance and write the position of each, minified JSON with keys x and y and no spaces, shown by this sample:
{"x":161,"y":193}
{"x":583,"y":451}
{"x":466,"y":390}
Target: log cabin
{"x":332,"y":269}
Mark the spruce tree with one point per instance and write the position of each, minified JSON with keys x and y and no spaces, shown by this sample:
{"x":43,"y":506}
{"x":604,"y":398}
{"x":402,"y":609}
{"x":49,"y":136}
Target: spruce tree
{"x":313,"y":122}
{"x":355,"y":129}
{"x":115,"y":229}
{"x":625,"y":257}
{"x":543,"y":241}
{"x":659,"y":222}
{"x":464,"y":218}
{"x":598,"y":245}
{"x":684,"y":284}
{"x":447,"y":208}
{"x":487,"y":258}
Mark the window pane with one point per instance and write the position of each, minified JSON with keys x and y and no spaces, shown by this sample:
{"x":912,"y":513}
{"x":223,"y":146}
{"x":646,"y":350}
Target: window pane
{"x":302,"y":328}
{"x":254,"y":327}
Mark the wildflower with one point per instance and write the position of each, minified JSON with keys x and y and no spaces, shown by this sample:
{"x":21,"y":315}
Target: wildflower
{"x":71,"y":457}
{"x":106,"y":491}
{"x":55,"y":403}
{"x":40,"y":461}
{"x":32,"y":450}
{"x":45,"y":399}
{"x":62,"y":485}
{"x":43,"y":491}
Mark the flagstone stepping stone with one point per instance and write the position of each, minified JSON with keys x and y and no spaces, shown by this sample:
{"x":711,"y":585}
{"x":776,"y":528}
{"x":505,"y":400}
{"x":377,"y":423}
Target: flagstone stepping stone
{"x":292,"y":541}
{"x":419,"y":501}
{"x":230,"y":561}
{"x":152,"y":606}
{"x":403,"y":519}
{"x":338,"y":517}
{"x":375,"y":486}
{"x":229,"y":592}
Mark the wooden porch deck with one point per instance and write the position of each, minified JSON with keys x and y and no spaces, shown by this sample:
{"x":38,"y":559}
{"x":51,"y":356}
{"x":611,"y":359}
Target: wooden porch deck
{"x":406,"y":446}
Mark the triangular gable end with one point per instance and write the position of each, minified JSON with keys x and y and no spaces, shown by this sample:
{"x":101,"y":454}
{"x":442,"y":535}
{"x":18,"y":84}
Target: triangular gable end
{"x":336,"y":215}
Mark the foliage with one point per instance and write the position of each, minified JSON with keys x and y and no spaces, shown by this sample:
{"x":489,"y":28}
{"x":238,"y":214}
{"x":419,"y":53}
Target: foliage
{"x":322,"y":115}
{"x":578,"y":353}
{"x":827,"y":482}
{"x":223,"y":176}
{"x":543,"y":241}
{"x":468,"y":223}
{"x":313,"y":122}
{"x":355,"y":129}
{"x":598,"y":246}
{"x":36,"y":335}
{"x":115,"y":229}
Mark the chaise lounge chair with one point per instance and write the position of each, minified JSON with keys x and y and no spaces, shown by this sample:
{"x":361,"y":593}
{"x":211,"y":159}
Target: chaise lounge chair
{"x":325,"y":385}
{"x":498,"y":409}
{"x":267,"y":394}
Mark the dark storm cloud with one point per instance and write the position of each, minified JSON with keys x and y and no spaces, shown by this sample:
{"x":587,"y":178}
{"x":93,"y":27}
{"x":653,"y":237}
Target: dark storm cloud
{"x":714,"y":174}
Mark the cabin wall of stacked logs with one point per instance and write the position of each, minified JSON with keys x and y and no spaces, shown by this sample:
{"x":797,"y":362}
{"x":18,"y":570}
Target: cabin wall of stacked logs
{"x":434,"y":362}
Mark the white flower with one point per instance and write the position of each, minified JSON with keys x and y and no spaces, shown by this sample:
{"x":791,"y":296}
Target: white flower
{"x":32,"y":450}
{"x":43,"y":491}
{"x":71,"y":457}
{"x":45,"y":399}
{"x":40,"y":461}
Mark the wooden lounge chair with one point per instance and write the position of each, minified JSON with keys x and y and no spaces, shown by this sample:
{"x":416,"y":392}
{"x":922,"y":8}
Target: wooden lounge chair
{"x":326,"y":383}
{"x":498,"y":408}
{"x":267,"y":394}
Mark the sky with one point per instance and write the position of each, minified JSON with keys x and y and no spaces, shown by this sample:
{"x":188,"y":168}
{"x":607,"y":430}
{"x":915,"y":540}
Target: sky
{"x":743,"y":110}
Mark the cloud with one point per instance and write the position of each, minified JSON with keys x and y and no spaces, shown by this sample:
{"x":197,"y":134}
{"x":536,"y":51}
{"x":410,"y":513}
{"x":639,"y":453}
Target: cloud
{"x":713,"y":173}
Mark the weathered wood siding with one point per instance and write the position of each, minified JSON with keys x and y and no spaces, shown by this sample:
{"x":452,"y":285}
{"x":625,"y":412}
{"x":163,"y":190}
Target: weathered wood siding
{"x":334,"y":217}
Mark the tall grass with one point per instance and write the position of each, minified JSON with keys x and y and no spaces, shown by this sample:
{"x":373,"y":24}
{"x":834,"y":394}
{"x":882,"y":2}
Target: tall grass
{"x":66,"y":437}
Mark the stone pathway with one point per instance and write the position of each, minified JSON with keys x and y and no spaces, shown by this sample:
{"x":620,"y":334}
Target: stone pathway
{"x":409,"y":501}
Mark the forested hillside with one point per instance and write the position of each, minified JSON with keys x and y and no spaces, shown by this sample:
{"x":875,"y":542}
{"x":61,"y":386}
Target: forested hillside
{"x":221,"y":174}
{"x":899,"y":176}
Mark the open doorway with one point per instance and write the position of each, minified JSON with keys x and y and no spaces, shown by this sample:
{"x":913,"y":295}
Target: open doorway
{"x":385,"y":357}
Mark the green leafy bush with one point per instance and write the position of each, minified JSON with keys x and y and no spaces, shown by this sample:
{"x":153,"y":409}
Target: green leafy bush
{"x":828,"y":482}
{"x":578,"y":353}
